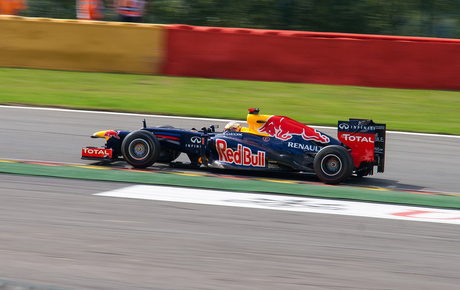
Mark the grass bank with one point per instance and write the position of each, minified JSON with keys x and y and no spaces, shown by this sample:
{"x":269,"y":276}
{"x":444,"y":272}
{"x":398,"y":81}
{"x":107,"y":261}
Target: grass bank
{"x":404,"y":110}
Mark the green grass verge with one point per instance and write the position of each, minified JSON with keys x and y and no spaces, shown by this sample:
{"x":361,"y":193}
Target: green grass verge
{"x":245,"y":185}
{"x":406,"y":110}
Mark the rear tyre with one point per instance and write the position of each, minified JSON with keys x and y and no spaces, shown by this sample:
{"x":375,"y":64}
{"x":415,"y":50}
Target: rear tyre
{"x":140,"y":149}
{"x":333,"y":164}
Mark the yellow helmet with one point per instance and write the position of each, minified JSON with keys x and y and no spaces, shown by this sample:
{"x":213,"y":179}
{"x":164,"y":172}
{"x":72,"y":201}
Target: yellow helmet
{"x":233,"y":127}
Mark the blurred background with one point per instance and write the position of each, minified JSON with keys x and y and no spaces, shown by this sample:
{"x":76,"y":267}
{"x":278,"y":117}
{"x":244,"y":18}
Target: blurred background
{"x":428,"y":18}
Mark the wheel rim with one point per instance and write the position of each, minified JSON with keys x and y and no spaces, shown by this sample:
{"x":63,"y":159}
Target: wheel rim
{"x":331,"y":165}
{"x":139,"y":149}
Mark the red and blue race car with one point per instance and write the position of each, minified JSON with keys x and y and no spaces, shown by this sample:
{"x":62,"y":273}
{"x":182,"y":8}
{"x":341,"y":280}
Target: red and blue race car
{"x":270,"y":142}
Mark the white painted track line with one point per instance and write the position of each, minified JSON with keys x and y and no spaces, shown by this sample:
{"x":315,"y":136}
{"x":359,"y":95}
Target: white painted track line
{"x":285,"y":203}
{"x":196,"y":118}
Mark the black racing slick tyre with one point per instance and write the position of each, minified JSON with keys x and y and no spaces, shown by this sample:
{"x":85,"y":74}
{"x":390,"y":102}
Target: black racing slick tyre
{"x":333,"y":164}
{"x":140,"y":149}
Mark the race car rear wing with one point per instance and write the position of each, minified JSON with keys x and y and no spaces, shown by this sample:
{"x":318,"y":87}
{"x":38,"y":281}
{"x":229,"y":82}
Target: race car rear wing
{"x":366,"y":140}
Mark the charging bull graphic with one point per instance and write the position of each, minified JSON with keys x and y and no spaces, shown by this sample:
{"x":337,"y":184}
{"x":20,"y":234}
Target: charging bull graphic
{"x":111,"y":134}
{"x":284,"y":128}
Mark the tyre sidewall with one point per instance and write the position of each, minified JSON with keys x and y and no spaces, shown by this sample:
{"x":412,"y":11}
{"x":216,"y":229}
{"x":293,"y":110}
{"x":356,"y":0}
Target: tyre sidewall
{"x":152,"y":147}
{"x":345,"y":162}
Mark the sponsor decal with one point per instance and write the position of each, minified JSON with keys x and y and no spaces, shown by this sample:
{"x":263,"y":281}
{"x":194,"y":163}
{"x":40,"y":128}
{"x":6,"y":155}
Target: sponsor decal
{"x":96,"y":152}
{"x":357,"y":138}
{"x":195,"y":139}
{"x":378,"y":150}
{"x":284,"y":128}
{"x":266,"y":139}
{"x":379,"y":139}
{"x":233,"y":134}
{"x":306,"y":147}
{"x":111,"y":134}
{"x":345,"y":126}
{"x":242,"y":156}
{"x":195,"y":142}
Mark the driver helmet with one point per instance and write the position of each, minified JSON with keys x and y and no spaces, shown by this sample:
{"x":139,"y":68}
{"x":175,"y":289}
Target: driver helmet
{"x":233,"y":127}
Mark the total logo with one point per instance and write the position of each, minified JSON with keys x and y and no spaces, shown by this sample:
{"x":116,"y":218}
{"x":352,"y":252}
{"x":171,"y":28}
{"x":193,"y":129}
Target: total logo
{"x":96,"y":152}
{"x":357,"y":138}
{"x":242,"y":156}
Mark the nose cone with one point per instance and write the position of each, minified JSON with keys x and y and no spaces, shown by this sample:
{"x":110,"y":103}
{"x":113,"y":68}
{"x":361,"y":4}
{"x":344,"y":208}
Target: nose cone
{"x":101,"y":134}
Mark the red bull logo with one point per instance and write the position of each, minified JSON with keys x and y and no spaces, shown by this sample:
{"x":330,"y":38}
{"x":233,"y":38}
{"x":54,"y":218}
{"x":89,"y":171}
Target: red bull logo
{"x":242,"y":156}
{"x":111,"y":134}
{"x":284,"y":128}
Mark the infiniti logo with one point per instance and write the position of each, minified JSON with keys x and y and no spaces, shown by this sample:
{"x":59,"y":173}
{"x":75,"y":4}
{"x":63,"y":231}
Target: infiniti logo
{"x":344,"y":126}
{"x":195,"y":139}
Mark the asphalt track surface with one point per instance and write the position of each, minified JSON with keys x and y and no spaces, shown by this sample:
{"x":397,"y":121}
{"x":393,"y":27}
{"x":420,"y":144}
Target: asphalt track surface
{"x":56,"y":232}
{"x":413,"y":161}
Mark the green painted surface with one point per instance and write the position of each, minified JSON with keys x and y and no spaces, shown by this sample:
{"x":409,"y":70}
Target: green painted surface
{"x":244,"y":185}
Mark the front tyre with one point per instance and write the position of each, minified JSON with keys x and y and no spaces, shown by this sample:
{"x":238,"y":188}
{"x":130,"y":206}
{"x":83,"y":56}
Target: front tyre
{"x":140,"y":149}
{"x":333,"y":164}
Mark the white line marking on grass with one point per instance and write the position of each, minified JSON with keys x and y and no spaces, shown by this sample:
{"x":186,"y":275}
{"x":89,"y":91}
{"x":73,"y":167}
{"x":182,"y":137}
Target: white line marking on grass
{"x":199,"y":119}
{"x":285,"y":203}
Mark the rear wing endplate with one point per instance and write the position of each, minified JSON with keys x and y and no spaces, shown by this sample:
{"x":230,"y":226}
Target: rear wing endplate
{"x":366,"y":139}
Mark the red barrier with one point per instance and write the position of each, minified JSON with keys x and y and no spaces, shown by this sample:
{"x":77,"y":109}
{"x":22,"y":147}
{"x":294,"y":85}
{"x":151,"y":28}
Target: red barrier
{"x":308,"y":57}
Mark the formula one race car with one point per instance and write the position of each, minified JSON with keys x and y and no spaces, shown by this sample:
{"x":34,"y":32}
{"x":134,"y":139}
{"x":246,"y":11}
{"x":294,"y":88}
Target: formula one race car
{"x":270,"y":142}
